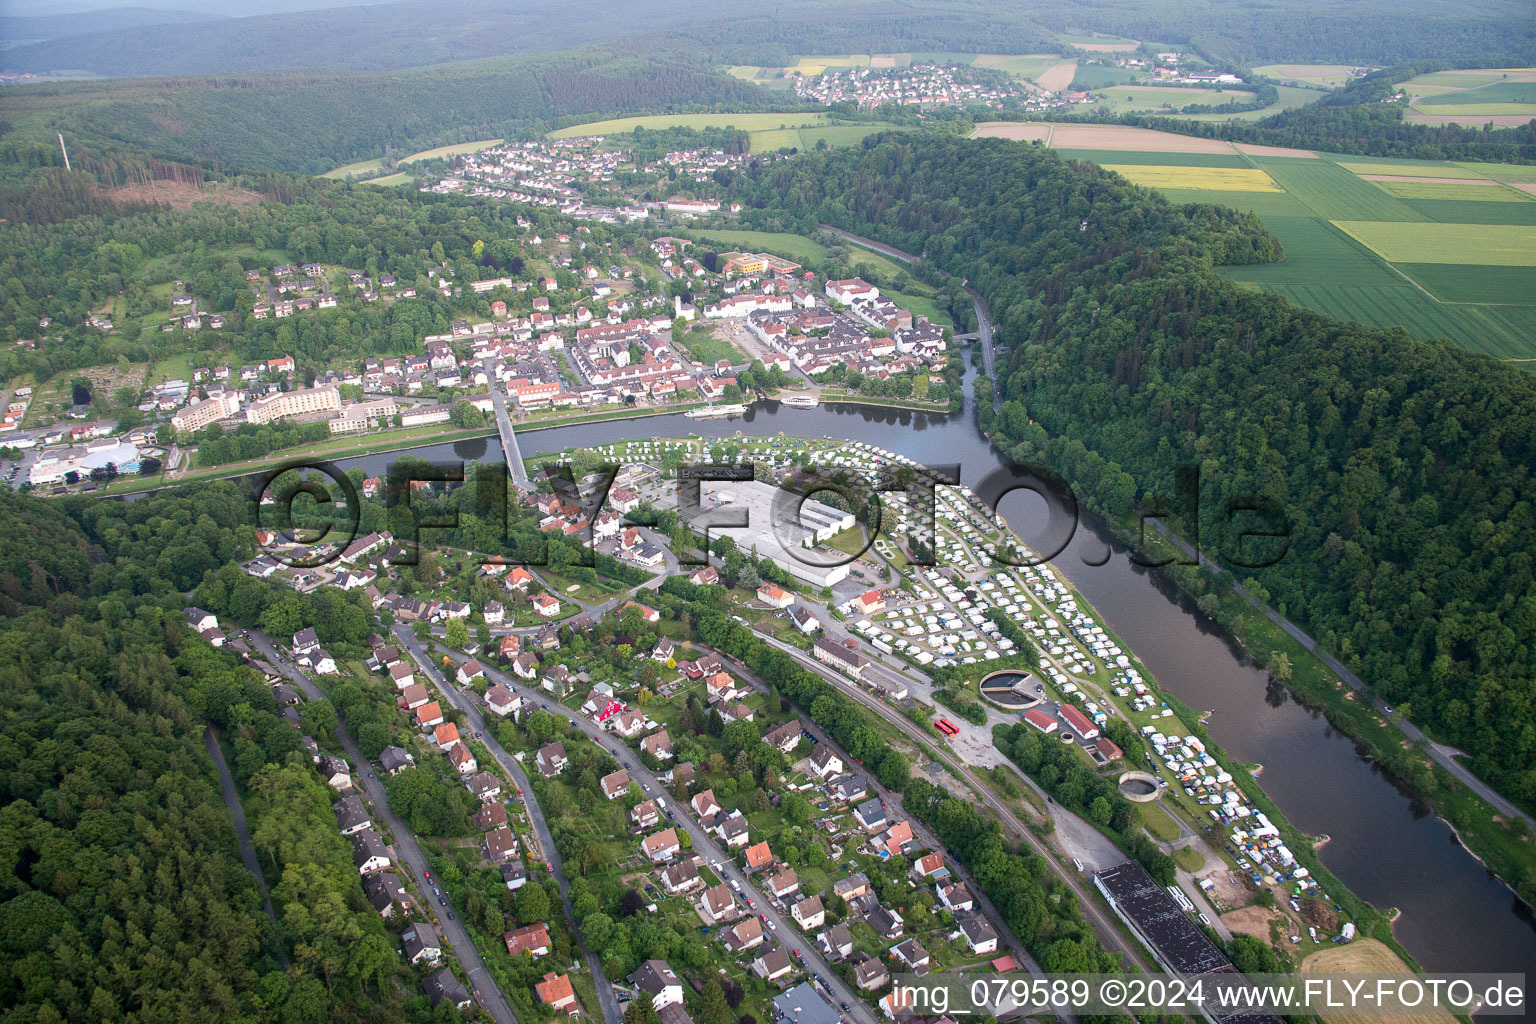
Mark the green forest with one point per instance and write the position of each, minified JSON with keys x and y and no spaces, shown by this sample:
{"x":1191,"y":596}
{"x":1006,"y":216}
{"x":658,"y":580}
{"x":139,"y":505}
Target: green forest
{"x":121,"y":888}
{"x":1402,"y":468}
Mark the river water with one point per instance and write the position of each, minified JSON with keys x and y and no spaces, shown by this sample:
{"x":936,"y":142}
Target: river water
{"x":1385,"y":845}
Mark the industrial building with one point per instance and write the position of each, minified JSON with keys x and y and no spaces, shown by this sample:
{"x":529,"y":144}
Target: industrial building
{"x":773,"y":529}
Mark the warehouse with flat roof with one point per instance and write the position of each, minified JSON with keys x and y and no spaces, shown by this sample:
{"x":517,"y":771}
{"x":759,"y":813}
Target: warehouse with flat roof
{"x":779,"y":525}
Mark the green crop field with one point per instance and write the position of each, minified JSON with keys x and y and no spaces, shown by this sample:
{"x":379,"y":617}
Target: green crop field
{"x":1455,"y":211}
{"x":1123,"y":156}
{"x":1028,"y":65}
{"x":806,"y":138}
{"x":1333,"y":193}
{"x":1462,"y":282}
{"x":745,"y":122}
{"x":1473,"y":191}
{"x":1412,"y":168}
{"x":1500,"y":172}
{"x":1495,"y":92}
{"x":1494,"y":245}
{"x":1143,"y":97}
{"x":1288,"y":96}
{"x":1096,"y":76}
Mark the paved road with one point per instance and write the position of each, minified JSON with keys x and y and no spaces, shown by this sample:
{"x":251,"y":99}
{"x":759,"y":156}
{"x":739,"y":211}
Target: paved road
{"x":242,"y":832}
{"x":482,"y":984}
{"x":1109,"y":935}
{"x":612,"y":1012}
{"x":705,"y":845}
{"x":919,"y":830}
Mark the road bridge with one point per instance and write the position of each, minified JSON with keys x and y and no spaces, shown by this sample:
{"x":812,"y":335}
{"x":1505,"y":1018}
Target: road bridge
{"x":509,"y":448}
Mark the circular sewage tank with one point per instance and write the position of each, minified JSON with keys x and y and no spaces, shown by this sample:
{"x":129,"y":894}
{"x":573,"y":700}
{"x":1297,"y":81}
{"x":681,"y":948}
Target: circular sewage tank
{"x":1140,"y":787}
{"x":1014,"y":690}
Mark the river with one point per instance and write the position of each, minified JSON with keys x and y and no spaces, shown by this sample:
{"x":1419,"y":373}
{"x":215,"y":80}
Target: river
{"x":1385,"y":846}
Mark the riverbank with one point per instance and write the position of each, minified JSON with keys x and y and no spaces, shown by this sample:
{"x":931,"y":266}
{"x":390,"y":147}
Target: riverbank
{"x":1500,"y":844}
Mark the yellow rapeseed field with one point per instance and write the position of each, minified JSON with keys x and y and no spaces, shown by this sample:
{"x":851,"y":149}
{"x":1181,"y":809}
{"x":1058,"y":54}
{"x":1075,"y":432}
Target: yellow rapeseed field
{"x":1217,"y":179}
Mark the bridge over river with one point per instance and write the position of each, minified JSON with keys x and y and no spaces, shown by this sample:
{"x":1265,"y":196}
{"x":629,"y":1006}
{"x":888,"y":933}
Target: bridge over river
{"x":513,"y":453}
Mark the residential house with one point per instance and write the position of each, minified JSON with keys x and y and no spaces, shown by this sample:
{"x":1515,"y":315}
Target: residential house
{"x":784,"y":738}
{"x":759,"y":856}
{"x":845,"y":789}
{"x":490,"y":816}
{"x":955,"y":897}
{"x":773,"y":964}
{"x":551,"y":759}
{"x":421,"y":945}
{"x":443,"y":987}
{"x":469,"y":672}
{"x":429,"y":715}
{"x":500,"y":844}
{"x":336,"y":773}
{"x":485,"y":786}
{"x":662,"y":846}
{"x":645,"y":814}
{"x":809,"y":913}
{"x":555,"y":991}
{"x":445,"y":735}
{"x":462,"y":760}
{"x":825,"y":763}
{"x":413,"y":697}
{"x":533,"y":940}
{"x":351,"y":815}
{"x":395,"y":760}
{"x":658,"y":979}
{"x":871,"y":814}
{"x":732,"y":830}
{"x":744,"y":935}
{"x":929,"y":865}
{"x":774,"y":596}
{"x":386,"y":893}
{"x":681,"y":877}
{"x":658,"y":745}
{"x":717,"y":904}
{"x":836,"y":942}
{"x":501,"y":701}
{"x":852,"y":887}
{"x":704,"y":804}
{"x":784,"y":884}
{"x":368,"y":852}
{"x":978,"y":933}
{"x":615,"y":785}
{"x":870,"y":974}
{"x":514,"y":874}
{"x":912,"y":954}
{"x":401,"y":675}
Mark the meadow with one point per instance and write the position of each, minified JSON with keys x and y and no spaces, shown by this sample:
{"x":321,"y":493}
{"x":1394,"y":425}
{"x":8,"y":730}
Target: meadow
{"x":1472,"y":95}
{"x":1365,"y":956}
{"x":364,"y":166}
{"x":1492,"y":245}
{"x":833,"y":135}
{"x":1325,"y":76}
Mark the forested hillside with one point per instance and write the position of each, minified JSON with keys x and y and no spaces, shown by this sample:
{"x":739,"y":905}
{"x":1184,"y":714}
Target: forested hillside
{"x":1402,"y":467}
{"x":413,"y":34}
{"x":311,"y":123}
{"x":122,"y":895}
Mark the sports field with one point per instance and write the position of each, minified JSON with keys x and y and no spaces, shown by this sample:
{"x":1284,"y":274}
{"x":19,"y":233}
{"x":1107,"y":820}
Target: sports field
{"x":1221,"y":179}
{"x":746,"y":122}
{"x":1444,"y":250}
{"x":1365,"y":956}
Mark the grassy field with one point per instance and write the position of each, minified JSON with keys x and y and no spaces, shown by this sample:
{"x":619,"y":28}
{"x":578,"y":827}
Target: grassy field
{"x":921,"y":305}
{"x":456,"y":149}
{"x":704,"y":346}
{"x":1216,"y":179}
{"x":1461,"y":282}
{"x":361,"y":167}
{"x":1474,"y":94}
{"x":1288,"y":96}
{"x":1494,"y":245}
{"x":1364,"y":956}
{"x":398,"y":178}
{"x":794,"y":247}
{"x":1469,"y":191}
{"x":1027,"y":65}
{"x":806,"y":138}
{"x":1328,"y":76}
{"x":1132,"y":98}
{"x":746,"y":122}
{"x":1108,"y":157}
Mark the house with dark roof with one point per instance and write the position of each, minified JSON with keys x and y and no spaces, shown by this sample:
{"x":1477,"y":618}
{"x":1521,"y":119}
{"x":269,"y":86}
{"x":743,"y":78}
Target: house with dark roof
{"x":658,"y":979}
{"x":421,"y":944}
{"x":368,"y":852}
{"x":836,"y":942}
{"x":870,"y":974}
{"x":551,"y":759}
{"x":773,"y":964}
{"x":443,"y":987}
{"x":978,"y":932}
{"x":351,"y":815}
{"x":680,"y":878}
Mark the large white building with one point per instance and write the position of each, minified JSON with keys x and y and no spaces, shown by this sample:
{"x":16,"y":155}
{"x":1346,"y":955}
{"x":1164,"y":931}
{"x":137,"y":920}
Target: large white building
{"x":287,"y":404}
{"x":199,"y":414}
{"x":779,"y":527}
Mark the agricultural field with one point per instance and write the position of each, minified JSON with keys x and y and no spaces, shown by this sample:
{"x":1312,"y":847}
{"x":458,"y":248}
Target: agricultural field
{"x":1131,"y":98}
{"x":1027,"y":65}
{"x":1359,"y":233}
{"x":834,"y":135}
{"x":1473,"y":96}
{"x":1096,"y":43}
{"x":1288,"y":96}
{"x":1365,"y":956}
{"x":1222,"y":179}
{"x":1318,"y":76}
{"x":377,"y":164}
{"x":758,"y":122}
